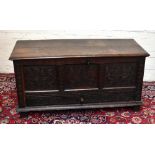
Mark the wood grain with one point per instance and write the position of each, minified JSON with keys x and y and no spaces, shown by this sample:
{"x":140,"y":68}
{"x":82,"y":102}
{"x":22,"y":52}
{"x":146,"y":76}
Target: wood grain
{"x":70,"y":48}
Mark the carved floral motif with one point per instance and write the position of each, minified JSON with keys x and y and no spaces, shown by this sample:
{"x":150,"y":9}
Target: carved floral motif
{"x":40,"y":77}
{"x":120,"y":74}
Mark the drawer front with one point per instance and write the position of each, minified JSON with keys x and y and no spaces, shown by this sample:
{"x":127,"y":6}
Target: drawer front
{"x":79,"y":98}
{"x":119,"y":95}
{"x":46,"y":99}
{"x":66,"y":98}
{"x":108,"y":96}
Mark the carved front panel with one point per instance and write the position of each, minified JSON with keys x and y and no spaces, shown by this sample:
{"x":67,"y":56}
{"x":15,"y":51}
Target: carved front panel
{"x":80,"y":76}
{"x":120,"y":74}
{"x":40,"y":77}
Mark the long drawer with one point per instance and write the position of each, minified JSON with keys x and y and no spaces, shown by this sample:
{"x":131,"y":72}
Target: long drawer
{"x":62,"y":98}
{"x":82,"y":97}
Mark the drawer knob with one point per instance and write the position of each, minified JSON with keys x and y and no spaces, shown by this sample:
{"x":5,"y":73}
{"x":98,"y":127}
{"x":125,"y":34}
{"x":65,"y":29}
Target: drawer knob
{"x":88,"y":62}
{"x":82,"y":99}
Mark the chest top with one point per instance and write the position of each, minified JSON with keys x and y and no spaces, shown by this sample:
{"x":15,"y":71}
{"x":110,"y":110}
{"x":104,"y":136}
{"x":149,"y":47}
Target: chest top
{"x":70,"y":48}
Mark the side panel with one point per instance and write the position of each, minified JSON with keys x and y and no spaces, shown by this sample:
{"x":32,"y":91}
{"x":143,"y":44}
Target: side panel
{"x":18,"y":68}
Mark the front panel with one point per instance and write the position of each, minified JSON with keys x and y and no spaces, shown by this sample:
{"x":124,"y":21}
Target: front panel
{"x":40,"y":77}
{"x":80,"y":76}
{"x":79,"y":81}
{"x":120,"y":74}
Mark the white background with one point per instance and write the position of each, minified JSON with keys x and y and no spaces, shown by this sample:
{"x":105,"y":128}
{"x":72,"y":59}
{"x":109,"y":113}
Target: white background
{"x":77,"y":15}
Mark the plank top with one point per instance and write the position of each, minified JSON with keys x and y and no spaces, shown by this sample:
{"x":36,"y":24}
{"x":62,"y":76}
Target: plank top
{"x":70,"y":48}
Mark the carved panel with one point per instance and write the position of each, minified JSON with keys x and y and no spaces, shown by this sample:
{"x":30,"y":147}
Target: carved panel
{"x":40,"y":77}
{"x":80,"y":76}
{"x":120,"y":74}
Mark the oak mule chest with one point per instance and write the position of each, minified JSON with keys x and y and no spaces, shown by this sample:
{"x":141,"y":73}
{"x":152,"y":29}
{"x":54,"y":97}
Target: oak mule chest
{"x":78,"y":73}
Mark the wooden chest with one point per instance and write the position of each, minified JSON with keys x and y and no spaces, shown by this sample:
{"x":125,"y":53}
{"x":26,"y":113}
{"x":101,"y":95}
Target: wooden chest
{"x":78,"y":73}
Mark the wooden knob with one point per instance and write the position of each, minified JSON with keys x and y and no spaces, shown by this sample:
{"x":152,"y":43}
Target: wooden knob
{"x":82,"y":99}
{"x":88,"y":62}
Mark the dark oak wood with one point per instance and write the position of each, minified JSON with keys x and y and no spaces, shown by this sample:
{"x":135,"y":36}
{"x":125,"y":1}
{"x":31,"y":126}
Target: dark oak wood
{"x":65,"y":48}
{"x":84,"y":106}
{"x":74,"y":74}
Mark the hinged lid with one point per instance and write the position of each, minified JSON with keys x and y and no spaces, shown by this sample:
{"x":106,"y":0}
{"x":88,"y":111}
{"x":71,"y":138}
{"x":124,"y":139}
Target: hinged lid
{"x":70,"y":48}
